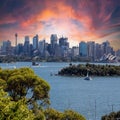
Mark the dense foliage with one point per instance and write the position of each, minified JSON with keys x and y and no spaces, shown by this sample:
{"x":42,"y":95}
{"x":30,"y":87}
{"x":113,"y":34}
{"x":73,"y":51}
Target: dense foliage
{"x":96,"y":70}
{"x":11,"y":110}
{"x":52,"y":114}
{"x":112,"y":116}
{"x":19,"y":83}
{"x":25,"y":96}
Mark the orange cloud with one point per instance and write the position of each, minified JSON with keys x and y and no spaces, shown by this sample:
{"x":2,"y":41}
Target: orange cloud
{"x":76,"y":19}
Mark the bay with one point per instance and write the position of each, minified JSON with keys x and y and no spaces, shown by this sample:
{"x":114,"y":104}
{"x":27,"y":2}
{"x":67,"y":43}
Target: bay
{"x":90,"y":98}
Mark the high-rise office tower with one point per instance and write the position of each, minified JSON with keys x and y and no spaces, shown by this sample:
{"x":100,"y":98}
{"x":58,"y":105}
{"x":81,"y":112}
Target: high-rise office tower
{"x":6,"y":47}
{"x":63,"y":42}
{"x":42,"y":47}
{"x":64,"y":45}
{"x":91,"y":50}
{"x":83,"y":49}
{"x":75,"y":51}
{"x":107,"y":48}
{"x":20,"y":49}
{"x":35,"y":42}
{"x":98,"y":52}
{"x":53,"y":41}
{"x":27,"y":46}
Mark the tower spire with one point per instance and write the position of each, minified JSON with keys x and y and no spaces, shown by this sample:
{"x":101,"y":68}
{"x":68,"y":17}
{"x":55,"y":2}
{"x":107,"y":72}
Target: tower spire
{"x":16,"y":35}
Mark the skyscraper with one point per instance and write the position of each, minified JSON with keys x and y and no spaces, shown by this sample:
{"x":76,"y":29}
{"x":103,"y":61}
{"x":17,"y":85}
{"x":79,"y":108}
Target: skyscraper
{"x":35,"y":42}
{"x":53,"y":40}
{"x":26,"y":46}
{"x":83,"y":49}
{"x":6,"y":47}
{"x":63,"y":42}
{"x":91,"y":50}
{"x":98,"y":52}
{"x":75,"y":51}
{"x":42,"y":47}
{"x":64,"y":45}
{"x":105,"y":46}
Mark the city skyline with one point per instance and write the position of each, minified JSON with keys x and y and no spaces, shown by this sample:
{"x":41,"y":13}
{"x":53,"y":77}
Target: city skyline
{"x":31,"y":40}
{"x":76,"y":19}
{"x":59,"y":48}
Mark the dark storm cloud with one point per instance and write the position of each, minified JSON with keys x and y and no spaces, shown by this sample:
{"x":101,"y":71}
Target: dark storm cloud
{"x":19,"y":10}
{"x":101,"y":12}
{"x":11,"y":6}
{"x":13,"y":25}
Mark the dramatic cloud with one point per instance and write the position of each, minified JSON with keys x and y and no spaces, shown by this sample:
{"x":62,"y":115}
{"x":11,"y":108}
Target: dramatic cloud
{"x":97,"y":20}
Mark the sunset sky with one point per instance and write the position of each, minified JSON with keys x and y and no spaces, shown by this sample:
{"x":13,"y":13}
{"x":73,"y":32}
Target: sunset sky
{"x":79,"y":20}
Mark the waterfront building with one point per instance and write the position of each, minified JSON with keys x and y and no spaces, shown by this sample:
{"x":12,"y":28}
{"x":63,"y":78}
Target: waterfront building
{"x":83,"y":49}
{"x":98,"y":52}
{"x":63,"y":41}
{"x":86,"y":50}
{"x":75,"y":51}
{"x":106,"y":47}
{"x":20,"y":49}
{"x":91,"y":50}
{"x":64,"y":46}
{"x":35,"y":42}
{"x":41,"y":47}
{"x":53,"y":41}
{"x":6,"y":48}
{"x":26,"y":46}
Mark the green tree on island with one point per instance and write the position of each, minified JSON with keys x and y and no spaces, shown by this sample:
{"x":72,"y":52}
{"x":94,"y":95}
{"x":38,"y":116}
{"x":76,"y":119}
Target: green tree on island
{"x":94,"y":70}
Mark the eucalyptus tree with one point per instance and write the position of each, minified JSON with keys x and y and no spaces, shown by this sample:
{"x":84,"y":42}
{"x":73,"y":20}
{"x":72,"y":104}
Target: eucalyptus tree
{"x":11,"y":110}
{"x":23,"y":83}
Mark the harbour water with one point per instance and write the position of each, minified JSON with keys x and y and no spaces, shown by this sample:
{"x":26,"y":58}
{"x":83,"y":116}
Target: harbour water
{"x":93,"y":98}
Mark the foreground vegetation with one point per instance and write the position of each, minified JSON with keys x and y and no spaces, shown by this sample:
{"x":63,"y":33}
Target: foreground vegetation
{"x":112,"y":116}
{"x":25,"y":96}
{"x":95,"y":70}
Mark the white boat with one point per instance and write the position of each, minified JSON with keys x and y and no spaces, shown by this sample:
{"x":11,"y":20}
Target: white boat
{"x":87,"y":77}
{"x":35,"y":64}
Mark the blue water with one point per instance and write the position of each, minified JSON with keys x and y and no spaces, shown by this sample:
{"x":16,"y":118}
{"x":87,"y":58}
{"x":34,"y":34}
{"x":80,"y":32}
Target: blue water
{"x":90,"y":98}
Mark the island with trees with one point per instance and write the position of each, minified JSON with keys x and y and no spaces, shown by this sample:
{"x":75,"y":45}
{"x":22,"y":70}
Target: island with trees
{"x":94,"y":70}
{"x":25,"y":96}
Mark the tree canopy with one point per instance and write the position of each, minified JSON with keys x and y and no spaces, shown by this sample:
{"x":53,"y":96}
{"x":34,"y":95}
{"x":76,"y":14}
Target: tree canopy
{"x":25,"y":96}
{"x":23,"y":83}
{"x":11,"y":110}
{"x":96,"y":70}
{"x":112,"y":116}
